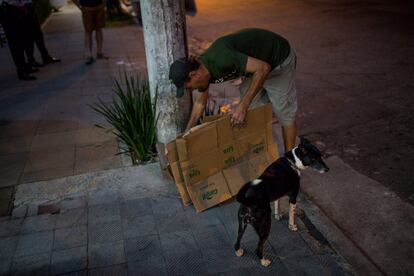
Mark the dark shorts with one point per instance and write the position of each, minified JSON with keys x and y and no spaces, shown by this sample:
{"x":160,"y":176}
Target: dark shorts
{"x":93,"y":18}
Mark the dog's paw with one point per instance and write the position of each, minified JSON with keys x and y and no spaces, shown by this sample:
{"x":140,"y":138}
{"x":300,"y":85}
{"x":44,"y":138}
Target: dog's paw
{"x":265,"y":262}
{"x":278,"y":216}
{"x":240,"y":252}
{"x":293,"y":227}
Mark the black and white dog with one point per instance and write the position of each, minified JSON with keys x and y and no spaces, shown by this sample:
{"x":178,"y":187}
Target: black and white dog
{"x":281,"y":178}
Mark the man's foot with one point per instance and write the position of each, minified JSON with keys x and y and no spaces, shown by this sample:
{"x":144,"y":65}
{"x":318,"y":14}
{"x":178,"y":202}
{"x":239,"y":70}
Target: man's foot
{"x":35,"y":64}
{"x":49,"y":59}
{"x":30,"y":70}
{"x":101,"y":56}
{"x":89,"y":60}
{"x":26,"y":76}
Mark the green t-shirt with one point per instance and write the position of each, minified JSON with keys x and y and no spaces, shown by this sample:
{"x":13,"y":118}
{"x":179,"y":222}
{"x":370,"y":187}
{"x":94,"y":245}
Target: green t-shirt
{"x":226,"y":58}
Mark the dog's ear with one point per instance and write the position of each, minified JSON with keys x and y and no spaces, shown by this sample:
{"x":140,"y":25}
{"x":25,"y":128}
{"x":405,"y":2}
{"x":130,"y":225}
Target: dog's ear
{"x":304,"y":141}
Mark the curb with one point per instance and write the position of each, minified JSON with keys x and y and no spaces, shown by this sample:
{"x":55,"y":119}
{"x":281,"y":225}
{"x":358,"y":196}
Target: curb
{"x":339,"y":241}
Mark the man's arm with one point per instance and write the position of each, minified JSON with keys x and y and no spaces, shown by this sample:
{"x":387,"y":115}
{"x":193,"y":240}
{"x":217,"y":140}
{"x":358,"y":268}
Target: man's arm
{"x":198,"y":108}
{"x":260,"y":70}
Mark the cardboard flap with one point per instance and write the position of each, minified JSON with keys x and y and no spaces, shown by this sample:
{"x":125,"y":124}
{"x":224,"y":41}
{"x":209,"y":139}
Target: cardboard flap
{"x":197,"y":142}
{"x":209,"y":192}
{"x":171,"y":152}
{"x":230,"y":153}
{"x":198,"y":168}
{"x":252,"y":145}
{"x":211,"y":118}
{"x":260,"y":163}
{"x":224,"y":130}
{"x":238,"y":175}
{"x":255,"y":122}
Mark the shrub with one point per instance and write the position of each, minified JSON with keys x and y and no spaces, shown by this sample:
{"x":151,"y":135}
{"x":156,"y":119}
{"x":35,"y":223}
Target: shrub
{"x":132,"y":116}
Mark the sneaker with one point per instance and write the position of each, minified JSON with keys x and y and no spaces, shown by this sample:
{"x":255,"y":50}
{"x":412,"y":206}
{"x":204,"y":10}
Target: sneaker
{"x":49,"y":59}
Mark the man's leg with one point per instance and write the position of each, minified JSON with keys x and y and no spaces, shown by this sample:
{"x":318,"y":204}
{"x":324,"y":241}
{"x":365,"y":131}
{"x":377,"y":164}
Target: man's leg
{"x":88,"y":46}
{"x":281,"y":90}
{"x":100,"y":24}
{"x":13,"y":25}
{"x":34,"y":27}
{"x":99,"y":41}
{"x":289,"y":135}
{"x":88,"y":25}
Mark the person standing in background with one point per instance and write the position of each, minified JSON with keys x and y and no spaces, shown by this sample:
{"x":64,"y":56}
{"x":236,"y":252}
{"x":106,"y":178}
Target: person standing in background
{"x":36,"y":36}
{"x":93,"y":17}
{"x":13,"y":15}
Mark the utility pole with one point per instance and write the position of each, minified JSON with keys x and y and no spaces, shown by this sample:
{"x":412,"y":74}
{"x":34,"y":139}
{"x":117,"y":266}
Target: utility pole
{"x":165,"y":41}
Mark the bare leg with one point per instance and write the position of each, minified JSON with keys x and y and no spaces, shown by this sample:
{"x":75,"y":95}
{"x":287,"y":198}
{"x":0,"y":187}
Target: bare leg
{"x":88,"y":44}
{"x":99,"y":40}
{"x":289,"y":136}
{"x":278,"y":216}
{"x":292,"y":225}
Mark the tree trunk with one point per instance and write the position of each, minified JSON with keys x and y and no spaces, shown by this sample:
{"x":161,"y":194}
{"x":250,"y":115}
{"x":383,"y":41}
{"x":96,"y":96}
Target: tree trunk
{"x":165,"y":41}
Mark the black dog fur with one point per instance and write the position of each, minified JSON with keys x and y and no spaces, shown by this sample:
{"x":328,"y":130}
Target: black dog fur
{"x":281,"y":178}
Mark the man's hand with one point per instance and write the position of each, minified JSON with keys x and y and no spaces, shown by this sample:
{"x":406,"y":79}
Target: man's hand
{"x":198,"y":108}
{"x":238,"y":115}
{"x":260,"y":70}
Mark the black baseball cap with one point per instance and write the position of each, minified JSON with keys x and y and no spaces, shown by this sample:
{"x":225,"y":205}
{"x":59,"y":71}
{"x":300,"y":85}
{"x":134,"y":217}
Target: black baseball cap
{"x":179,"y":71}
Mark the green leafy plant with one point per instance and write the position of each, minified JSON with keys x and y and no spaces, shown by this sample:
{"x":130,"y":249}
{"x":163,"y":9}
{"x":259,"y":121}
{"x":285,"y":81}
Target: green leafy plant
{"x":132,"y":116}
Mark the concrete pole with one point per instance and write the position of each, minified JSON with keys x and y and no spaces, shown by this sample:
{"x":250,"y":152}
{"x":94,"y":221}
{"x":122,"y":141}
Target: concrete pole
{"x":165,"y":41}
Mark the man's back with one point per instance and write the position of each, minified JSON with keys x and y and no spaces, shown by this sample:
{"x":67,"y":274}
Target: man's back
{"x":226,"y":58}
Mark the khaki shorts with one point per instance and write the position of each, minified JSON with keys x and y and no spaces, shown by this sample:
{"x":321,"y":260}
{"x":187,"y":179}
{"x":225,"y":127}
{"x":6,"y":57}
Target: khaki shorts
{"x":279,"y":88}
{"x":93,"y":18}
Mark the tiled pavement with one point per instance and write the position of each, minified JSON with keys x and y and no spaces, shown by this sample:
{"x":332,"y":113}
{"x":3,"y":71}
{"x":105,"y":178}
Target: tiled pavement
{"x":47,"y":132}
{"x":46,"y":126}
{"x":130,"y":221}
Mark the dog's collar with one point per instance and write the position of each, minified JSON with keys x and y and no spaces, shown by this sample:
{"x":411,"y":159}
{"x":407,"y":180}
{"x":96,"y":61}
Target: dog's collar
{"x":294,"y":165}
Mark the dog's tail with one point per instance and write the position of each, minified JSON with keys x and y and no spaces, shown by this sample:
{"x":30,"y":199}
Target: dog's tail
{"x":243,"y":195}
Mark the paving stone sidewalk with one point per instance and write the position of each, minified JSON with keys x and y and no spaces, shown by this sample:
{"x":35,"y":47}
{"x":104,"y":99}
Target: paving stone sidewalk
{"x":47,"y":128}
{"x":130,"y":221}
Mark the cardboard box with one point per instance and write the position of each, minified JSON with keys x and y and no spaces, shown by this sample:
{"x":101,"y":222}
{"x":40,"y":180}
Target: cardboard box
{"x":238,"y":175}
{"x":197,"y":141}
{"x":211,"y":118}
{"x":171,"y":151}
{"x":229,"y":153}
{"x":273,"y":152}
{"x":224,"y":130}
{"x":215,"y":160}
{"x":252,"y":145}
{"x":255,"y":122}
{"x":198,"y":168}
{"x":259,"y":163}
{"x":209,"y":192}
{"x":179,"y":183}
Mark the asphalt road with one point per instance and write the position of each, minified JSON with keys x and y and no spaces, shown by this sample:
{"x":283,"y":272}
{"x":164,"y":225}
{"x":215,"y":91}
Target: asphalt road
{"x":354,"y":75}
